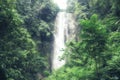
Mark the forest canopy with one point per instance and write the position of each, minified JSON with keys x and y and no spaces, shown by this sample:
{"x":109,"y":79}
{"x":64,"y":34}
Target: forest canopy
{"x":25,"y":33}
{"x":26,"y":38}
{"x":95,"y":55}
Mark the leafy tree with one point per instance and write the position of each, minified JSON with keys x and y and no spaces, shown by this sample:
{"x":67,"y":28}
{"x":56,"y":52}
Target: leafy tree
{"x":96,"y":52}
{"x":39,"y":16}
{"x":19,"y":58}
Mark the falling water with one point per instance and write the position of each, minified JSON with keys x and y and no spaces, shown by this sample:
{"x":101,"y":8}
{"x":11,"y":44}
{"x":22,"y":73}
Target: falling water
{"x":59,"y":39}
{"x":64,"y":30}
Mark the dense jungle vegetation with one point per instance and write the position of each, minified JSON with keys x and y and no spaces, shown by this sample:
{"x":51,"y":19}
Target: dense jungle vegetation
{"x":95,"y":55}
{"x":26,"y":36}
{"x":25,"y":33}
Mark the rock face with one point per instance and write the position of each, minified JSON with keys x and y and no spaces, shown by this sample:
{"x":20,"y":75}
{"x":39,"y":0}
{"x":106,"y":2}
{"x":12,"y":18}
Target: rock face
{"x":64,"y":31}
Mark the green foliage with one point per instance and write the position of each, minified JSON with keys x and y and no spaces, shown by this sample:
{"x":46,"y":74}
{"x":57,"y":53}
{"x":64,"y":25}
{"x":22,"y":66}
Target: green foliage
{"x":19,"y":58}
{"x":74,"y":73}
{"x":86,"y":57}
{"x":95,"y":55}
{"x":39,"y":16}
{"x":94,"y":33}
{"x":26,"y":35}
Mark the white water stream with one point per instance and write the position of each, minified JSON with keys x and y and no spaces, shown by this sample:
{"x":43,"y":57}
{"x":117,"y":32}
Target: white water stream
{"x":59,"y":39}
{"x":64,"y":31}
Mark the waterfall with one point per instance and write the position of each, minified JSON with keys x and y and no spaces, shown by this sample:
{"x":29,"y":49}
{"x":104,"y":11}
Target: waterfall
{"x":64,"y":30}
{"x":59,"y":39}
